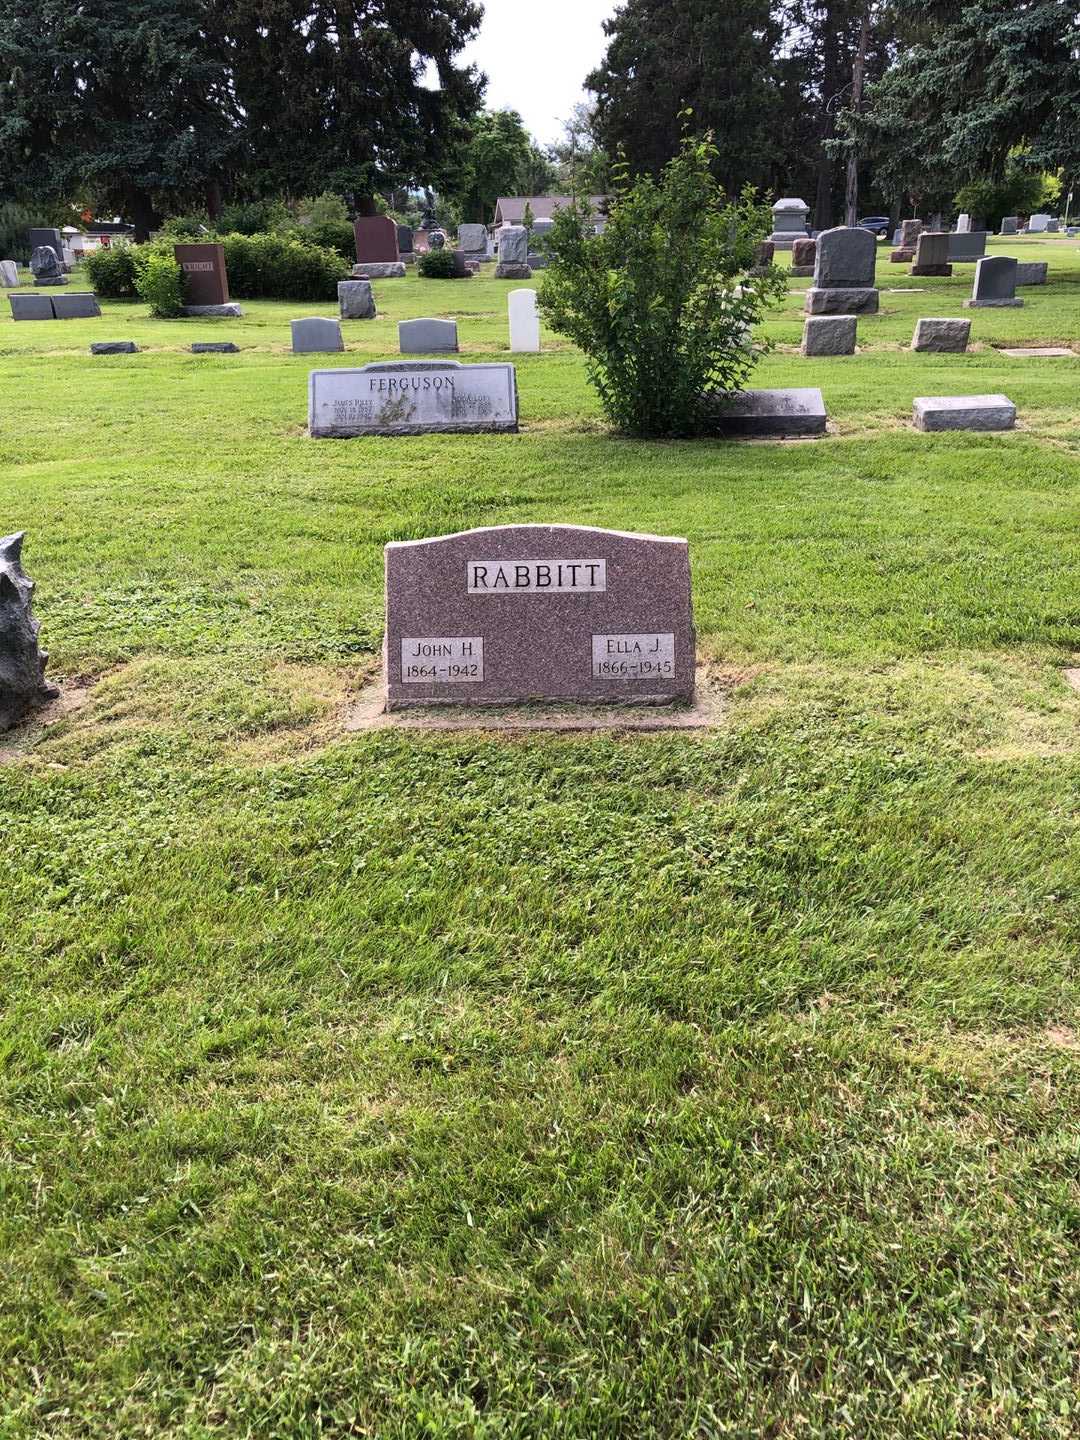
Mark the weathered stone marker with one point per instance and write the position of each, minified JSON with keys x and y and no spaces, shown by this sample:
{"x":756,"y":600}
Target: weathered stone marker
{"x":473,"y":240}
{"x":963,"y":412}
{"x":23,"y":686}
{"x":941,"y":336}
{"x":356,"y":300}
{"x":967,"y":245}
{"x":1031,"y":272}
{"x":829,"y":334}
{"x":538,"y":612}
{"x":206,"y":281}
{"x":513,"y":254}
{"x":412,"y":397}
{"x":376,"y":239}
{"x":844,"y":273}
{"x":114,"y":347}
{"x":47,"y":267}
{"x":789,"y":222}
{"x":932,"y":253}
{"x":314,"y":333}
{"x":9,"y":274}
{"x":427,"y":336}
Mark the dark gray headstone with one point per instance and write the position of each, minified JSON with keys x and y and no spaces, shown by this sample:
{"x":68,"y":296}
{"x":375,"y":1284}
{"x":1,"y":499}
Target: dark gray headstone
{"x":1031,"y":272}
{"x":995,"y":283}
{"x":46,"y":267}
{"x":932,"y":253}
{"x":114,"y":347}
{"x":513,"y":245}
{"x":473,"y":239}
{"x":538,"y":612}
{"x":23,"y":687}
{"x":214,"y":347}
{"x":404,"y":239}
{"x":861,"y":300}
{"x":799,"y":411}
{"x":829,"y":334}
{"x":50,"y":236}
{"x":1010,"y":224}
{"x":412,"y":397}
{"x":846,"y":257}
{"x":967,"y":245}
{"x":426,"y":337}
{"x":31,"y":307}
{"x":314,"y":333}
{"x":76,"y":305}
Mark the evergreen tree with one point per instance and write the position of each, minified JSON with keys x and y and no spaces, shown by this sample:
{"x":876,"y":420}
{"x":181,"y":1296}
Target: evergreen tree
{"x":499,"y":159}
{"x":973,"y":85}
{"x":120,"y":100}
{"x":334,"y":96}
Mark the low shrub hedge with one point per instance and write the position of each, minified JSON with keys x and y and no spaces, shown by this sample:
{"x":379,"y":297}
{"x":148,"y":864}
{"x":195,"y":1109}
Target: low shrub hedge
{"x":259,"y":267}
{"x":114,"y":271}
{"x":436,"y":265}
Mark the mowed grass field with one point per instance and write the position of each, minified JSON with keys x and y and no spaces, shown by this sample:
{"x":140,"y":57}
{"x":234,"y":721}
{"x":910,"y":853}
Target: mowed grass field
{"x":404,"y":1084}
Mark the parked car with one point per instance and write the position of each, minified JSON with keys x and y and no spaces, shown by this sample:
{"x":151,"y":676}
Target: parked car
{"x":879,"y":224}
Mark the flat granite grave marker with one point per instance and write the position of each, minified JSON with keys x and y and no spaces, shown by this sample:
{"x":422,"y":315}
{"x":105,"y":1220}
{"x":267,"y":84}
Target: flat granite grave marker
{"x":206,"y":282}
{"x":756,"y":414}
{"x":214,"y":347}
{"x":963,"y":412}
{"x":114,"y":347}
{"x":995,"y":283}
{"x":513,"y":613}
{"x":412,"y":397}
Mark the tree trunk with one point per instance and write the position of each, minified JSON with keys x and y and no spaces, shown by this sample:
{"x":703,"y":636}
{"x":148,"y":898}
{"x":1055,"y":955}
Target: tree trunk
{"x":365,"y":205}
{"x":858,"y":75}
{"x":830,"y":84}
{"x":213,"y":199}
{"x":141,"y":214}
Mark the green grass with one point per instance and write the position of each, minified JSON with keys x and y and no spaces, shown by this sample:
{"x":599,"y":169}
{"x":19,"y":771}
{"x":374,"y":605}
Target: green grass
{"x":411,"y":1085}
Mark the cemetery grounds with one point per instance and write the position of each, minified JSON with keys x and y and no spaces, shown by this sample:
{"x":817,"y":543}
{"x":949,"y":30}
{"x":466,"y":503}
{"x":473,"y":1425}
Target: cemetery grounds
{"x":410,"y":1084}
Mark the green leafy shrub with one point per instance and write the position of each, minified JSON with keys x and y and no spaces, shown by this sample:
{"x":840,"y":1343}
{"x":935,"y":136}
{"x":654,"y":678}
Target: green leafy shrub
{"x":16,"y":222}
{"x":318,"y":209}
{"x":1020,"y":192}
{"x":655,"y":301}
{"x":195,"y":226}
{"x":437,"y":265}
{"x":334,"y":235}
{"x":282,"y":267}
{"x":113,"y":271}
{"x":160,"y":283}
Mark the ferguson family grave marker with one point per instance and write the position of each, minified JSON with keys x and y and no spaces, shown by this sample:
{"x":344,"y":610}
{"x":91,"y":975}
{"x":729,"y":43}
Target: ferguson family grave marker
{"x":412,"y":397}
{"x":538,"y":612}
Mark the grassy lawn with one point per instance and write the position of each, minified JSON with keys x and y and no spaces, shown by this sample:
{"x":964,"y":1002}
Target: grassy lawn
{"x":406,"y":1085}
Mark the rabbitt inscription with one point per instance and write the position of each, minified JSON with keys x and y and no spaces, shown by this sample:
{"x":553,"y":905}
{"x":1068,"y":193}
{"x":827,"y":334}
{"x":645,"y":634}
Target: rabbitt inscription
{"x":536,"y":577}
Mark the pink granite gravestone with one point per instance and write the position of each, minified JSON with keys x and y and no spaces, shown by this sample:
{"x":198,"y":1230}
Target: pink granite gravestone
{"x":511,"y":613}
{"x":376,"y":240}
{"x":206,"y":281}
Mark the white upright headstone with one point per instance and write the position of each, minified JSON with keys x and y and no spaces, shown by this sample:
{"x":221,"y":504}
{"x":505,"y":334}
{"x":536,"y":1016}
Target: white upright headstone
{"x":963,"y":225}
{"x":524,"y":320}
{"x":9,"y":274}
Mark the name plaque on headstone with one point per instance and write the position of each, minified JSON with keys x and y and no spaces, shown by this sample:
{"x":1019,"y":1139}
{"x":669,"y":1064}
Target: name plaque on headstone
{"x":412,"y":398}
{"x":513,"y":613}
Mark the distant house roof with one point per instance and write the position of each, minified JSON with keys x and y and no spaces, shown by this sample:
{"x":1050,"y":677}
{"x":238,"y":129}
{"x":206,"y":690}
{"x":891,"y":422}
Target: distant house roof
{"x":510,"y":209}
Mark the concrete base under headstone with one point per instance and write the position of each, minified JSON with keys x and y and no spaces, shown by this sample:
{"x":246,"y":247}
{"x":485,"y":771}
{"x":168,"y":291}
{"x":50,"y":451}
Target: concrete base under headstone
{"x":942,"y":272}
{"x":841,"y":300}
{"x":229,"y":311}
{"x":942,"y":336}
{"x":379,"y":270}
{"x":44,"y":280}
{"x":996,"y":304}
{"x":963,"y":412}
{"x":768,"y":413}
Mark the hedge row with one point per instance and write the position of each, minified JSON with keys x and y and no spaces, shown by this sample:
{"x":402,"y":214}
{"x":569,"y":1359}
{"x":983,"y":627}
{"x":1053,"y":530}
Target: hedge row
{"x":260,"y":267}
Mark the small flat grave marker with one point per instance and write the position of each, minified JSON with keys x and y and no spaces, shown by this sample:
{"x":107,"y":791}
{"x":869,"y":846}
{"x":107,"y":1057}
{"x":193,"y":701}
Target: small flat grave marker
{"x":1046,"y":352}
{"x":963,"y":412}
{"x":513,"y":613}
{"x":412,"y":397}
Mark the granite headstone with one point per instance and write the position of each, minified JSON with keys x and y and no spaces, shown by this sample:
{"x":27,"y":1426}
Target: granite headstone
{"x":23,"y":687}
{"x":206,"y":281}
{"x":427,"y":337}
{"x":995,"y":283}
{"x":932,"y":253}
{"x":376,"y":239}
{"x":844,"y":273}
{"x":315,"y":333}
{"x":412,"y":397}
{"x":559,"y":613}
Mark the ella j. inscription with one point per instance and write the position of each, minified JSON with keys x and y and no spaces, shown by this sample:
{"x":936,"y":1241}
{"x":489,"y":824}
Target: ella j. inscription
{"x":538,"y":612}
{"x":411,"y":398}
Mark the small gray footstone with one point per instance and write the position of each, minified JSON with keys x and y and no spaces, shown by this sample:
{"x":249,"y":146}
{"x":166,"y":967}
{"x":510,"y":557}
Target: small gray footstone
{"x":512,"y":271}
{"x":356,"y":300}
{"x":231,"y":310}
{"x":942,"y":336}
{"x":801,"y":270}
{"x":798,"y":411}
{"x":76,"y":305}
{"x":1036,"y":352}
{"x":862,"y":300}
{"x":829,"y":334}
{"x":1031,"y":272}
{"x":963,"y":412}
{"x":214,"y":347}
{"x":315,"y":334}
{"x":114,"y":347}
{"x":427,"y":337}
{"x":31,"y":307}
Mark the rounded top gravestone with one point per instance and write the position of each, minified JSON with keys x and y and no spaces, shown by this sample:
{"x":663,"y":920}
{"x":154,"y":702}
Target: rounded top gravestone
{"x":846,"y":256}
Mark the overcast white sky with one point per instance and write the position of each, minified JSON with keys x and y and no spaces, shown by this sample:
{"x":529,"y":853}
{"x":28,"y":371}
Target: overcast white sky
{"x":535,"y":57}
